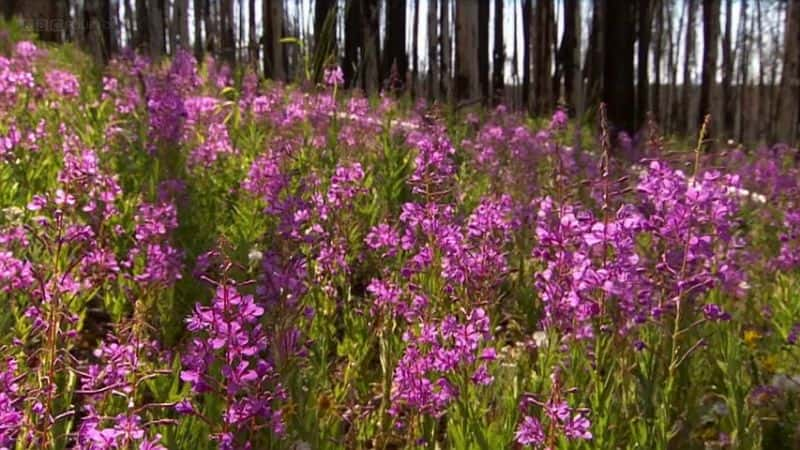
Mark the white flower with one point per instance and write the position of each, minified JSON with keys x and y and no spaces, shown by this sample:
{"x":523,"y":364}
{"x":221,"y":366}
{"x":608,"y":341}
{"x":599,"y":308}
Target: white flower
{"x":540,"y":339}
{"x":255,"y":255}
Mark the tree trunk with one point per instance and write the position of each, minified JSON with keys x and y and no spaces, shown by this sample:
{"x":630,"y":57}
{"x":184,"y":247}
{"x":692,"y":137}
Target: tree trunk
{"x":467,"y":82}
{"x":618,"y":88}
{"x":444,"y":73}
{"x":688,"y":66}
{"x":394,"y":65}
{"x":526,"y":52}
{"x":760,"y":108}
{"x":273,"y":32}
{"x":414,"y":49}
{"x":643,"y":81}
{"x":324,"y":35}
{"x":483,"y":49}
{"x":657,"y":60}
{"x":155,"y":27}
{"x":543,"y":31}
{"x":790,"y":79}
{"x":210,"y":19}
{"x":227,"y":32}
{"x":744,"y":59}
{"x":198,"y":29}
{"x":499,"y":55}
{"x":142,"y":23}
{"x":371,"y":52}
{"x":93,"y":34}
{"x":567,"y":53}
{"x":252,"y":40}
{"x":710,"y":43}
{"x":433,"y":61}
{"x":182,"y":19}
{"x":353,"y":41}
{"x":171,"y":26}
{"x":727,"y":72}
{"x":593,"y":67}
{"x":675,"y":117}
{"x":240,"y":40}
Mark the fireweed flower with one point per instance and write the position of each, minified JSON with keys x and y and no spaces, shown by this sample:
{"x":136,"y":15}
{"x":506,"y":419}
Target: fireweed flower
{"x":63,"y":83}
{"x":433,"y":164}
{"x":229,"y":357}
{"x":426,"y":378}
{"x":529,"y":432}
{"x":334,"y":76}
{"x":11,"y":416}
{"x":557,"y":418}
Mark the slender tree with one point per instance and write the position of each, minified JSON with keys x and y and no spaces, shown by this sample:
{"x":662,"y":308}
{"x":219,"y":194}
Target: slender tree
{"x":543,"y":43}
{"x":499,"y":55}
{"x":744,"y":58}
{"x":568,"y":54}
{"x":415,"y":50}
{"x":675,"y":101}
{"x":252,"y":40}
{"x":182,"y":19}
{"x":658,"y":51}
{"x":394,"y":44}
{"x":353,"y":40}
{"x":433,"y":61}
{"x":728,"y":110}
{"x":211,"y":22}
{"x":371,"y":53}
{"x":642,"y":70}
{"x":789,"y":99}
{"x":483,"y":49}
{"x":688,"y":66}
{"x":593,"y":66}
{"x":760,"y":108}
{"x":526,"y":51}
{"x":324,"y":35}
{"x":467,"y":82}
{"x":199,"y":5}
{"x":155,"y":28}
{"x":618,"y":87}
{"x":227,"y":31}
{"x":711,"y":43}
{"x":444,"y":73}
{"x":272,"y":12}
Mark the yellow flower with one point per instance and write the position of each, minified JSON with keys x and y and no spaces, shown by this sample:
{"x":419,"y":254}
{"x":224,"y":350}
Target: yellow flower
{"x":751,"y":337}
{"x":769,"y":362}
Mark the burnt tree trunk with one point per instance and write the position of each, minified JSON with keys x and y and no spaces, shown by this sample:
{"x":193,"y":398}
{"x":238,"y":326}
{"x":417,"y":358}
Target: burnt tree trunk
{"x":371,"y":53}
{"x":643,"y":80}
{"x":227,"y":37}
{"x":394,"y":63}
{"x":618,"y":88}
{"x":526,"y":52}
{"x":498,"y":56}
{"x":467,"y":83}
{"x":711,"y":42}
{"x":273,"y":32}
{"x":433,"y":62}
{"x":483,"y":49}
{"x":353,"y":41}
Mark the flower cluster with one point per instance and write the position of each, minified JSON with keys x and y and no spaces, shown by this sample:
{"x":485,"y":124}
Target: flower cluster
{"x":438,"y":358}
{"x":228,"y":357}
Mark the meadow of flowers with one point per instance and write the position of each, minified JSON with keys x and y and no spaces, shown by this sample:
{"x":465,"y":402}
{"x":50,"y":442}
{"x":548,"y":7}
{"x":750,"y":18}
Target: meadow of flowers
{"x":193,"y":258}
